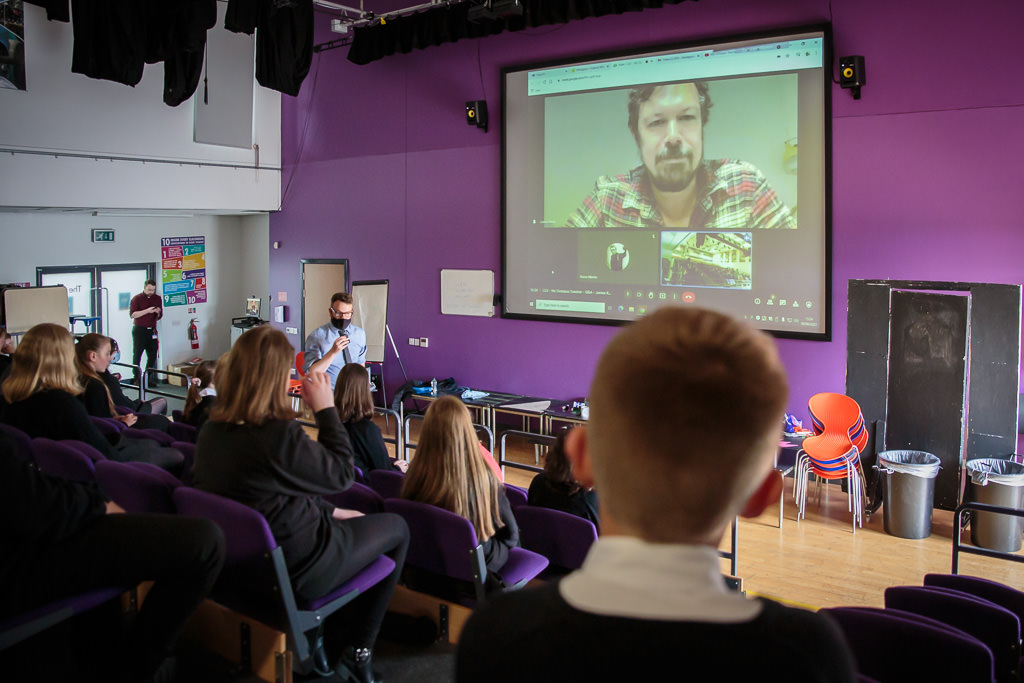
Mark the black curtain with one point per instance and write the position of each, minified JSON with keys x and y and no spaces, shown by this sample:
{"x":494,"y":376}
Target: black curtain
{"x":450,"y":24}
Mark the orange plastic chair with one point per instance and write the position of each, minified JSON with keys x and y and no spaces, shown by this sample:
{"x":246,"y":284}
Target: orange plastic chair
{"x":295,"y":384}
{"x":834,"y":451}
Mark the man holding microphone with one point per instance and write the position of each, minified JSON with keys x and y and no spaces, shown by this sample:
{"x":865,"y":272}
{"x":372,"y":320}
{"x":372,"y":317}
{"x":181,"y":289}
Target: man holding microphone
{"x":338,"y":342}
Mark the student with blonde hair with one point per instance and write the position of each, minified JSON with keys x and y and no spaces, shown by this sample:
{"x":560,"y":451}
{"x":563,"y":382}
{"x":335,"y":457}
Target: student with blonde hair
{"x":40,"y":397}
{"x":686,"y":410}
{"x":252,"y":450}
{"x":354,"y":402}
{"x":449,"y":471}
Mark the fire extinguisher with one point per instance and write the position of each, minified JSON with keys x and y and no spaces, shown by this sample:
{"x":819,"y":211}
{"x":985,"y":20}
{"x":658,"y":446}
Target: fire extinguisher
{"x":193,"y":333}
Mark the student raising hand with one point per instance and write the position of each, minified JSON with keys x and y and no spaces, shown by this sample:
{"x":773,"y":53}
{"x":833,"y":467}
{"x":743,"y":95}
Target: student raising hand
{"x":317,"y":392}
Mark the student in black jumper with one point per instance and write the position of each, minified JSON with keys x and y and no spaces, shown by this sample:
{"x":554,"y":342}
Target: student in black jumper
{"x":252,"y":450}
{"x":40,"y":398}
{"x":6,"y":349}
{"x":685,"y":410}
{"x":449,"y":471}
{"x":354,"y":402}
{"x":556,"y":487}
{"x":201,"y":395}
{"x":92,"y":357}
{"x":62,"y":538}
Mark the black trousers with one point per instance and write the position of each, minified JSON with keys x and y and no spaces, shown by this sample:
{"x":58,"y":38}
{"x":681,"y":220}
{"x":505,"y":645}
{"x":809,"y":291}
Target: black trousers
{"x":358,"y":623}
{"x":181,"y":555}
{"x":143,"y":340}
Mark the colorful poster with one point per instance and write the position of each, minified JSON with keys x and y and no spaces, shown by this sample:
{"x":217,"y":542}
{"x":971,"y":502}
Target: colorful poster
{"x":183,"y":264}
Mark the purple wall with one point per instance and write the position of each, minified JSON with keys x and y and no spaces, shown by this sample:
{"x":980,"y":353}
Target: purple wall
{"x":390,"y":176}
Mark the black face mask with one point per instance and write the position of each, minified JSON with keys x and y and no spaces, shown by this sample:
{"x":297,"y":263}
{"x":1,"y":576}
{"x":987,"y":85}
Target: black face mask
{"x":342,"y":323}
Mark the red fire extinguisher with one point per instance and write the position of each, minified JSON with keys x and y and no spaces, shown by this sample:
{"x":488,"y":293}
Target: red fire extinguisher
{"x":193,"y":334}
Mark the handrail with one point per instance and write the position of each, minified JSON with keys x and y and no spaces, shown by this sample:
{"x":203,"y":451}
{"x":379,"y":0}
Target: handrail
{"x":960,"y":547}
{"x":409,"y":445}
{"x":535,"y":439}
{"x":397,"y":439}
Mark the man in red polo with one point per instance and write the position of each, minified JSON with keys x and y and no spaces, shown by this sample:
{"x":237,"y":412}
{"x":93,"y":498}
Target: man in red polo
{"x":145,"y":309}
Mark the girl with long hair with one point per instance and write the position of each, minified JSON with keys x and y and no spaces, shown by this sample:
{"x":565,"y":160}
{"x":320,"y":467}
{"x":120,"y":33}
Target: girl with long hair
{"x":41,"y":399}
{"x":93,"y":354}
{"x":201,"y":395}
{"x":354,"y":402}
{"x":252,"y":450}
{"x":448,"y":471}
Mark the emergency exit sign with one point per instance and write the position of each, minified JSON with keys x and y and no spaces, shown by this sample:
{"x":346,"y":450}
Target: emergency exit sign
{"x":102,"y":235}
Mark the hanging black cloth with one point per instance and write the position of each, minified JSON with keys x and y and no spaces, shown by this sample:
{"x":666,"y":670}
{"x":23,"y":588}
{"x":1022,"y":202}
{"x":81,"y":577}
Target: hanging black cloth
{"x":110,"y":39}
{"x":284,"y":42}
{"x":177,"y":37}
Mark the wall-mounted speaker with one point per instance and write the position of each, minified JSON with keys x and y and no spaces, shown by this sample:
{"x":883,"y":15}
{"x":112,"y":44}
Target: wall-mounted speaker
{"x":476,"y":113}
{"x":851,"y":74}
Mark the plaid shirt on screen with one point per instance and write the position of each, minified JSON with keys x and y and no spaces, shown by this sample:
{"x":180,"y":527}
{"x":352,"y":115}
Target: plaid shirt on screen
{"x":732,"y":195}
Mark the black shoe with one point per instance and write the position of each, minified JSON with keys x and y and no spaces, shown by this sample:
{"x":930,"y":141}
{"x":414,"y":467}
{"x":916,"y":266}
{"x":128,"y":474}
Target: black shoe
{"x":355,"y":666}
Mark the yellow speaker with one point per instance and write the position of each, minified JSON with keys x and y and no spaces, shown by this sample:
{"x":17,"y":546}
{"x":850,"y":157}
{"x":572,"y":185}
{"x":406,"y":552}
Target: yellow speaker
{"x":476,"y":113}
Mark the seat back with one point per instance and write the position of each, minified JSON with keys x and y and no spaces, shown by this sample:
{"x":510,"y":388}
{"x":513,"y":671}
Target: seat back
{"x":441,"y":542}
{"x":88,"y":450}
{"x":388,"y":483}
{"x":357,"y":497}
{"x":831,"y":412}
{"x":300,"y":362}
{"x":178,"y":415}
{"x":59,"y":459}
{"x":890,"y":645}
{"x":563,"y":538}
{"x":516,"y":495}
{"x":999,"y":593}
{"x":22,"y":441}
{"x":182,"y":431}
{"x":138,"y":487}
{"x":995,"y":626}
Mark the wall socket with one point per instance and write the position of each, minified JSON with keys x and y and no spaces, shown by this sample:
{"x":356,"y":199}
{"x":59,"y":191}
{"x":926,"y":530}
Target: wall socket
{"x":291,"y":330}
{"x":414,"y":341}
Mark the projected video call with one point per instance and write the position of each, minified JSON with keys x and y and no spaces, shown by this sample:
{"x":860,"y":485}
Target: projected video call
{"x":695,"y":176}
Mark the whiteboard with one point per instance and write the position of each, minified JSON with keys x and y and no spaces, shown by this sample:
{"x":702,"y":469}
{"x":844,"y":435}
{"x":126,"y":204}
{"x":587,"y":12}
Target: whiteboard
{"x":25,"y":307}
{"x":370,"y":312}
{"x":467,"y":292}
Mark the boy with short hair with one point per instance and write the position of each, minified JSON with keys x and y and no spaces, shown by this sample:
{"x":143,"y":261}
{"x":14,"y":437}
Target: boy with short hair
{"x":685,"y":412}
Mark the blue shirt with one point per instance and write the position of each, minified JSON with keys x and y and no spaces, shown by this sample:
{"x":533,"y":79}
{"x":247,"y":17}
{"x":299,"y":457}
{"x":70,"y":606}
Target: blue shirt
{"x":320,"y":341}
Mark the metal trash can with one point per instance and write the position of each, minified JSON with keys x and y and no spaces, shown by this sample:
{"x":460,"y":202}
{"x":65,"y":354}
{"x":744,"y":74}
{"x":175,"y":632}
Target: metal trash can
{"x":909,"y":492}
{"x":996,"y":482}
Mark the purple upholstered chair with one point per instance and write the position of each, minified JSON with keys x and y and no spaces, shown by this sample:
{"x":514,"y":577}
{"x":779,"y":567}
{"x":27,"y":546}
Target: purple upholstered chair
{"x":180,"y":431}
{"x":999,"y":593}
{"x":562,"y":538}
{"x":20,"y":627}
{"x":108,"y":426}
{"x":357,"y":497}
{"x":892,"y":645}
{"x":61,"y":459}
{"x":22,"y":441}
{"x":255,"y":578}
{"x":388,"y":483}
{"x":995,"y":626}
{"x":138,"y":487}
{"x":516,"y":495}
{"x":444,"y":544}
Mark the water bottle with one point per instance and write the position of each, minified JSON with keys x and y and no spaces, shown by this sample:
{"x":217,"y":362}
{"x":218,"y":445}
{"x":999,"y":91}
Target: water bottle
{"x":433,"y":387}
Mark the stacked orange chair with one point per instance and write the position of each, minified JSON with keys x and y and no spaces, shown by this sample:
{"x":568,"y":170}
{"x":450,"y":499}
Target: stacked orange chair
{"x":834,"y":451}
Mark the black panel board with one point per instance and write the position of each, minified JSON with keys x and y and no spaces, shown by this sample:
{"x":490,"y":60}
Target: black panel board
{"x":927,"y":371}
{"x":867,"y":349}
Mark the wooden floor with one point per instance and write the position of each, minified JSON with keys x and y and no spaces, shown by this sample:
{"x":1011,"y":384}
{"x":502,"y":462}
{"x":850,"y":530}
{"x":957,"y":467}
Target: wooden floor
{"x":819,"y":562}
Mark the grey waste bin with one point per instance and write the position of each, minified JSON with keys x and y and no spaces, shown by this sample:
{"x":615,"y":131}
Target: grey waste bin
{"x":996,"y":482}
{"x":909,"y":485}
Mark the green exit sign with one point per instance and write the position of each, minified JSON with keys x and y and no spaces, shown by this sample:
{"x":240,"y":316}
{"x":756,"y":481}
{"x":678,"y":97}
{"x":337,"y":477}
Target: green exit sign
{"x":102,"y":235}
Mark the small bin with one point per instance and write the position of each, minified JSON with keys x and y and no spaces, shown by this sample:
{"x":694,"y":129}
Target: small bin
{"x":909,"y":492}
{"x":996,"y":482}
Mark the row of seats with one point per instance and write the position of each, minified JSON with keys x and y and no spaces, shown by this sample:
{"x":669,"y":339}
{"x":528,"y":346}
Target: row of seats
{"x":953,"y":628}
{"x":562,"y":538}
